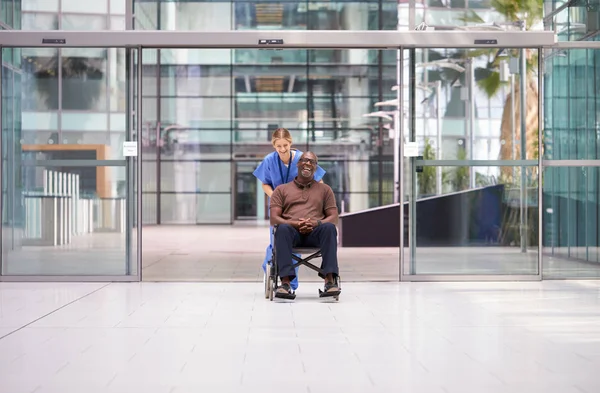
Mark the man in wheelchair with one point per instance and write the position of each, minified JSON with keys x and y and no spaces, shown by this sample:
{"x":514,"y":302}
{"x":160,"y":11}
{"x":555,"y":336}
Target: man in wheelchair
{"x":305,"y":214}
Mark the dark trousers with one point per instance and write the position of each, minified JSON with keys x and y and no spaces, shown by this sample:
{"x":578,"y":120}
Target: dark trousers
{"x":323,"y":237}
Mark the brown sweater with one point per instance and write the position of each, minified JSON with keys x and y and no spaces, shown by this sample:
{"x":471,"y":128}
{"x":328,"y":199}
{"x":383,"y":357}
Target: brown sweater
{"x":297,"y":201}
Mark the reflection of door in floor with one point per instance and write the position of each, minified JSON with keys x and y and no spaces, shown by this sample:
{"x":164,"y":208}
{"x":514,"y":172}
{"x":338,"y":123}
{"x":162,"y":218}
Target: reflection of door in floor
{"x":245,"y":195}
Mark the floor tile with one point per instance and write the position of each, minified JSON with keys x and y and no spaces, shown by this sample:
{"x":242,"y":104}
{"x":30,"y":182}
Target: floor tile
{"x":381,"y":337}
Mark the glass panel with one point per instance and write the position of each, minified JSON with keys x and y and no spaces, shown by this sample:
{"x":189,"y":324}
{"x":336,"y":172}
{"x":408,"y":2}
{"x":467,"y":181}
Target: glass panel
{"x":572,"y":107}
{"x":39,"y":21}
{"x":83,"y":22}
{"x":572,"y":129}
{"x":149,"y":209}
{"x":195,"y":176}
{"x":84,"y":85}
{"x":250,"y":203}
{"x":146,"y":16}
{"x":463,"y":219}
{"x":67,"y":210}
{"x":118,"y":7}
{"x":118,"y":23}
{"x":7,"y":12}
{"x":464,"y":105}
{"x":40,"y":78}
{"x":75,"y":6}
{"x":476,"y":231}
{"x":570,"y":236}
{"x":572,"y":23}
{"x":40,"y":5}
{"x":195,"y":208}
{"x":208,"y":117}
{"x":219,"y":15}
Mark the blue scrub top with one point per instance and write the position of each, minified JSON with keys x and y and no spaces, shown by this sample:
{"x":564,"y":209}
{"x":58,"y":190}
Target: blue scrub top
{"x":273,"y":172}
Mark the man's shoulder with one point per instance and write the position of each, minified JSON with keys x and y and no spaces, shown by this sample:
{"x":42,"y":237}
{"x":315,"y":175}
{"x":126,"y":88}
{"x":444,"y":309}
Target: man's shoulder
{"x":325,"y":187}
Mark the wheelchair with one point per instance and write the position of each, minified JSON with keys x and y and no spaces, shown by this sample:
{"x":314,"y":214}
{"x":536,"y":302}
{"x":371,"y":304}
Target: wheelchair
{"x":271,"y":277}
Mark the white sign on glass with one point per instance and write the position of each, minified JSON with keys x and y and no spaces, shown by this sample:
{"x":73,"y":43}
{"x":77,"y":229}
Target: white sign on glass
{"x":411,"y":149}
{"x":130,"y":149}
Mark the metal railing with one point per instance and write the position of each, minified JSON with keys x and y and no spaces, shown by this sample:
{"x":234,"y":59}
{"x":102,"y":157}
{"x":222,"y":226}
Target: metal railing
{"x":58,"y":212}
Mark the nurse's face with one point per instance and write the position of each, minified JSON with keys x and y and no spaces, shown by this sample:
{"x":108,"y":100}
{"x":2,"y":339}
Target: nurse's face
{"x":283,"y":148}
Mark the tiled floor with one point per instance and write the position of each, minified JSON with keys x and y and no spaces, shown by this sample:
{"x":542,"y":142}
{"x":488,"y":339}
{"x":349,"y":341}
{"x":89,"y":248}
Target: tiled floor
{"x":225,"y":337}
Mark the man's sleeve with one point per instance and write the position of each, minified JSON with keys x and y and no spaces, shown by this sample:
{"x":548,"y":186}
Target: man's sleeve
{"x":330,"y":202}
{"x":276,"y":198}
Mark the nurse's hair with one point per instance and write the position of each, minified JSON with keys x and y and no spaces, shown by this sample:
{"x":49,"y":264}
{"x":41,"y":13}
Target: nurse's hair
{"x":281,"y":133}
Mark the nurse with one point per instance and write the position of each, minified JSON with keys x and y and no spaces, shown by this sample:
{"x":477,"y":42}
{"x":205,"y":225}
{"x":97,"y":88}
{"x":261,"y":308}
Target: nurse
{"x":280,"y":167}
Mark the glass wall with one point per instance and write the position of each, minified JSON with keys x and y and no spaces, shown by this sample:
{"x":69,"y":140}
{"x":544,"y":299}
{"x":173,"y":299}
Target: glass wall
{"x":228,"y":101}
{"x":579,"y":20}
{"x":67,"y":202}
{"x":267,"y":14}
{"x":74,"y":104}
{"x":10,"y":14}
{"x":225,"y":112}
{"x":249,"y":87}
{"x":207,"y":114}
{"x":73,"y":15}
{"x":572,"y":147}
{"x":11,"y":75}
{"x":313,"y":93}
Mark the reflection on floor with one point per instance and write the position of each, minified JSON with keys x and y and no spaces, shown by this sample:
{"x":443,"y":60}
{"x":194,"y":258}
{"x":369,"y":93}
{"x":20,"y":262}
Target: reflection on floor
{"x":235,"y":253}
{"x":529,"y":337}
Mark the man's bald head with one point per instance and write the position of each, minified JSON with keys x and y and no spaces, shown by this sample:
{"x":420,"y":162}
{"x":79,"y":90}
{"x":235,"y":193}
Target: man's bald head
{"x":309,"y":154}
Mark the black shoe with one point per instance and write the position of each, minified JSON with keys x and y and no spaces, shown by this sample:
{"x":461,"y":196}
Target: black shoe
{"x":284,"y":291}
{"x":331,"y":290}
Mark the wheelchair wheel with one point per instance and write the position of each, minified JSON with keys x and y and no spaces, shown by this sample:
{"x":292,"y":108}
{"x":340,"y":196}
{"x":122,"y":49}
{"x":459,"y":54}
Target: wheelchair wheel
{"x":267,"y":282}
{"x":270,"y":282}
{"x":272,"y":289}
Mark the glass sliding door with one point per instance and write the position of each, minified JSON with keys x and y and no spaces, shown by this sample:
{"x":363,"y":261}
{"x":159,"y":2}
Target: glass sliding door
{"x":68,"y":196}
{"x":208,"y":116}
{"x":472,"y":185}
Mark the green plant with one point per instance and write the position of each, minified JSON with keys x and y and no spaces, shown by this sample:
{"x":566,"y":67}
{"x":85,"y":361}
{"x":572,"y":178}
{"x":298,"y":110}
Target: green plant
{"x":426,"y":178}
{"x":482,"y":180}
{"x":460,"y":180}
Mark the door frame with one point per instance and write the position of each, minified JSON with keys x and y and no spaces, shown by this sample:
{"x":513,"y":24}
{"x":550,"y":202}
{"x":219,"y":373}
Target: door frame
{"x":290,"y":39}
{"x":278,"y":39}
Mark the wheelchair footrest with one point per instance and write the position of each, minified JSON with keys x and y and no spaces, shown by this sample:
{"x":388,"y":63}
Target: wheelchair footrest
{"x":287,"y":296}
{"x":329,"y":294}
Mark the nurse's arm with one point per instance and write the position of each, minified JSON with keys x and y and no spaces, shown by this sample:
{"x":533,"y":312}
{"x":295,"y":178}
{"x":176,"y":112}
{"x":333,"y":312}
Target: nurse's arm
{"x":267,"y":189}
